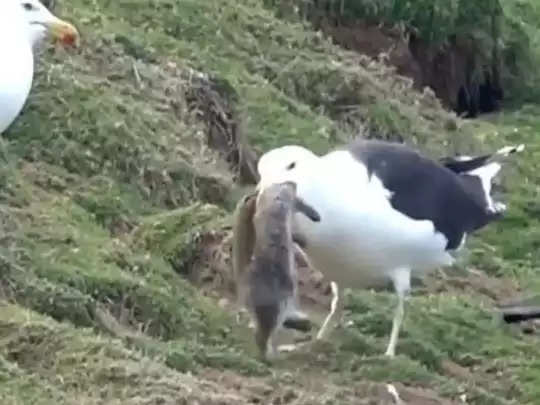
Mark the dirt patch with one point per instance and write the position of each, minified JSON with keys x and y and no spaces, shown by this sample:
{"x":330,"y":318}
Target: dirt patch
{"x":376,"y":42}
{"x":212,"y":269}
{"x":453,"y":71}
{"x":215,"y":100}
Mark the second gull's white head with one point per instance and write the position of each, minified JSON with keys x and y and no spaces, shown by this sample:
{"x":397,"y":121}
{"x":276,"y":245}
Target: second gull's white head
{"x":276,"y":165}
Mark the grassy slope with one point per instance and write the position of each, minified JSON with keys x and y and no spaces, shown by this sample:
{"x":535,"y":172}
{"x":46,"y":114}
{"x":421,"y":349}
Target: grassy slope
{"x":106,"y":184}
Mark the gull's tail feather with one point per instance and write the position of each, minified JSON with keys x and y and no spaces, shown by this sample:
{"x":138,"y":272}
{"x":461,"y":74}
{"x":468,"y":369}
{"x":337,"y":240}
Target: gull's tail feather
{"x":463,"y":164}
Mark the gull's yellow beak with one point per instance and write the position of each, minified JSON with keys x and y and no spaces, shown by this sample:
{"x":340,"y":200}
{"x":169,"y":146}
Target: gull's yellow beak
{"x":63,"y":31}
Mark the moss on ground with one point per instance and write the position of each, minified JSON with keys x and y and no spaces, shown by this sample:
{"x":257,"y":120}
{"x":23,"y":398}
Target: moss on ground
{"x":108,"y":186}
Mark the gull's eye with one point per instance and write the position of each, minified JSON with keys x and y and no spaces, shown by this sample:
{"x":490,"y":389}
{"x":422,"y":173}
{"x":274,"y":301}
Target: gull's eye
{"x":28,"y":6}
{"x":291,"y":166}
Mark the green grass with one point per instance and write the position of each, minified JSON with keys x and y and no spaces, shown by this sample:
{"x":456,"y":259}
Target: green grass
{"x":433,"y":21}
{"x":110,"y":192}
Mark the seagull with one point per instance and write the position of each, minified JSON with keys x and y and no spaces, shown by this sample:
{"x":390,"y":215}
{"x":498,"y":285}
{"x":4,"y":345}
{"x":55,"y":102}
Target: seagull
{"x":23,"y":26}
{"x":387,"y":212}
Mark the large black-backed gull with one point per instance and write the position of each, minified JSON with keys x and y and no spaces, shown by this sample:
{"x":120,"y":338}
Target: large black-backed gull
{"x":386,"y":211}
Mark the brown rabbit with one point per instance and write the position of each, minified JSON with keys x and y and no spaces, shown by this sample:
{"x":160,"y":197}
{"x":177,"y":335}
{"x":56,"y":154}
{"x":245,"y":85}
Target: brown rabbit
{"x":269,"y":287}
{"x":242,"y":246}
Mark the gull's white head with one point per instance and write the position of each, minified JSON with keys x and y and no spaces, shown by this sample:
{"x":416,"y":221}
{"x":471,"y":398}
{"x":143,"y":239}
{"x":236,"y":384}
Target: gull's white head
{"x":40,"y":21}
{"x":280,"y":164}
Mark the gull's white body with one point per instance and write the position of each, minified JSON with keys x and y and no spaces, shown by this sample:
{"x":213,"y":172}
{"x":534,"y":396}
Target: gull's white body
{"x":374,"y":240}
{"x":17,"y":62}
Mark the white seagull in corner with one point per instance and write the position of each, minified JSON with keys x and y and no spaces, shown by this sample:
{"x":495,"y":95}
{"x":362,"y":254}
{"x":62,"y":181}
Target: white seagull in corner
{"x":23,"y":24}
{"x":386,"y":211}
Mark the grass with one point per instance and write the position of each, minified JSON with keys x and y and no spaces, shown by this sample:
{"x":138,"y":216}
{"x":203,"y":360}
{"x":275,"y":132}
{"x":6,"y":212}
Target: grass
{"x":433,"y":21}
{"x":111,"y":196}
